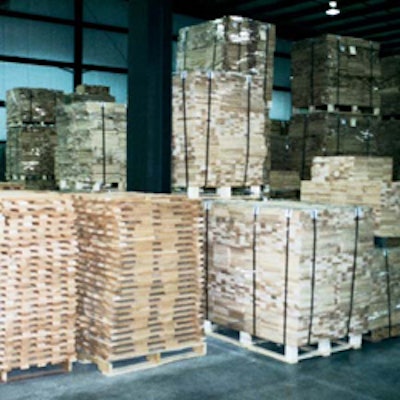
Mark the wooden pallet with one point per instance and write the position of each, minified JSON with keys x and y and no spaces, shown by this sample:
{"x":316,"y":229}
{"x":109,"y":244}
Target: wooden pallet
{"x":288,"y":354}
{"x":338,"y":108}
{"x":151,"y":360}
{"x":36,"y":371}
{"x":226,"y":192}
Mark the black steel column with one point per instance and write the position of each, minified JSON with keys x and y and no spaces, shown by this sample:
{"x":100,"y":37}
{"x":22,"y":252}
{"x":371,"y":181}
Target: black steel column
{"x":149,"y":99}
{"x":78,"y":42}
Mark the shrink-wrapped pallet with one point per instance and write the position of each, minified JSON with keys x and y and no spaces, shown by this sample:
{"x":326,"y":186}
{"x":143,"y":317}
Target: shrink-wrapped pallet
{"x":91,"y":145}
{"x":219,"y":136}
{"x":275,"y":271}
{"x":139,"y":276}
{"x":37,"y":285}
{"x":336,"y":71}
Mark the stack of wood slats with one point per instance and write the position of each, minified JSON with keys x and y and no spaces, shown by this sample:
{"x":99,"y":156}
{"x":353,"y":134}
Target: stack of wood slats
{"x":384,"y":309}
{"x":362,"y":181}
{"x":12,"y":185}
{"x":31,"y":136}
{"x":230,"y":43}
{"x":91,"y":149}
{"x":37,"y":285}
{"x":259,"y":240}
{"x":336,"y":70}
{"x":139,"y":275}
{"x":236,"y":113}
{"x":390,"y":86}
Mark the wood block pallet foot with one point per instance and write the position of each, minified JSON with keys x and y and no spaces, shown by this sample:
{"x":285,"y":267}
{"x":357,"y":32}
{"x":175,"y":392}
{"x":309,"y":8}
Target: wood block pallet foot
{"x":288,"y":354}
{"x":224,"y":192}
{"x":124,"y":366}
{"x":379,"y":334}
{"x":341,"y":108}
{"x":18,"y":374}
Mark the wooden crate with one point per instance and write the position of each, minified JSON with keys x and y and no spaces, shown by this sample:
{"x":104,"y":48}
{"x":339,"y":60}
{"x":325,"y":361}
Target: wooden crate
{"x":139,"y":276}
{"x":91,"y":148}
{"x":336,"y":70}
{"x":37,"y":289}
{"x":230,"y":43}
{"x":218,"y":131}
{"x":384,"y":310}
{"x":260,"y":264}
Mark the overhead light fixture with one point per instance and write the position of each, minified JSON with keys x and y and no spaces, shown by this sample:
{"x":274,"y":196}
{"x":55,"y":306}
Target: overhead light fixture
{"x":332,"y":10}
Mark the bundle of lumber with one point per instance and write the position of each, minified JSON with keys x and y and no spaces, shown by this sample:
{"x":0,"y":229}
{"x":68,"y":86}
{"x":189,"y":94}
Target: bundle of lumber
{"x":336,"y":70}
{"x":91,"y":148}
{"x":275,"y":273}
{"x":12,"y":185}
{"x":363,"y":181}
{"x":89,"y":93}
{"x":31,"y":106}
{"x":231,"y":43}
{"x":284,"y":183}
{"x":37,"y":289}
{"x":384,"y":309}
{"x":139,"y":275}
{"x":390,"y":86}
{"x":219,"y":134}
{"x":30,"y":155}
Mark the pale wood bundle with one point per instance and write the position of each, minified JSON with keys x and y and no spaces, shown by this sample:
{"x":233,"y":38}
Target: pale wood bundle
{"x":12,"y":185}
{"x":252,"y":236}
{"x":352,"y":169}
{"x":31,"y":106}
{"x":139,"y":274}
{"x":30,"y":155}
{"x":37,"y":290}
{"x":91,"y":148}
{"x":336,"y":70}
{"x":384,"y":308}
{"x":230,"y":125}
{"x":231,"y":43}
{"x":390,"y":85}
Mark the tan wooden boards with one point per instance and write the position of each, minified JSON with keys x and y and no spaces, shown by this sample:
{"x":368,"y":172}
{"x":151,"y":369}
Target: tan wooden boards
{"x":262,"y":240}
{"x":218,"y":130}
{"x":37,"y":285}
{"x":91,"y":147}
{"x":139,"y":275}
{"x":336,"y":70}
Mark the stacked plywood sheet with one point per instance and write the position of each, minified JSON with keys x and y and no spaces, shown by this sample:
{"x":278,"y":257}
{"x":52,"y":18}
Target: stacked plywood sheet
{"x":218,"y":130}
{"x":261,"y":269}
{"x":139,"y":275}
{"x":91,"y":148}
{"x":37,"y":285}
{"x":390,"y":86}
{"x":384,"y":309}
{"x":337,"y":71}
{"x":230,"y":43}
{"x":357,"y":181}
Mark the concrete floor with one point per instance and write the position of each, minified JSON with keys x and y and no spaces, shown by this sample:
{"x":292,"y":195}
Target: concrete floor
{"x":228,"y":372}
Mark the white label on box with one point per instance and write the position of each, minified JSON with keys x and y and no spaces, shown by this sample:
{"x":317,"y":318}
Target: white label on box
{"x":353,"y":122}
{"x":353,"y":50}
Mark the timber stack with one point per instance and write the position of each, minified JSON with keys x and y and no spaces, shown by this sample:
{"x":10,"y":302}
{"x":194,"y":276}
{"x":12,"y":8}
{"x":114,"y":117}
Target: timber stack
{"x":261,"y":280}
{"x":91,"y":149}
{"x":363,"y":181}
{"x":37,"y":290}
{"x":139,"y":277}
{"x":31,"y":136}
{"x":221,"y":94}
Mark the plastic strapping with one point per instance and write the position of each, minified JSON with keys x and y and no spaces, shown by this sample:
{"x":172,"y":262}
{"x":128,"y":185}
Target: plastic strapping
{"x":185,"y":39}
{"x":103,"y":133}
{"x":239,"y":47}
{"x":371,"y":75}
{"x":207,"y":208}
{"x":338,"y":71}
{"x":314,"y":217}
{"x":288,"y":215}
{"x":312,"y":72}
{"x":338,"y":142}
{"x":267,"y":39}
{"x":256,"y":213}
{"x":388,"y":290}
{"x":210,"y":78}
{"x":185,"y":132}
{"x":358,"y":213}
{"x":248,"y":129}
{"x":304,"y":147}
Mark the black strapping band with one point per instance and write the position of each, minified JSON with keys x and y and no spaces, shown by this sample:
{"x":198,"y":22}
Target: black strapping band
{"x":103,"y":133}
{"x":304,"y":147}
{"x":314,"y":263}
{"x":210,"y":77}
{"x":338,"y":71}
{"x":288,"y":216}
{"x":338,"y":141}
{"x":256,"y":211}
{"x":388,"y":291}
{"x":248,"y":129}
{"x":206,"y":255}
{"x":185,"y":133}
{"x":312,"y":72}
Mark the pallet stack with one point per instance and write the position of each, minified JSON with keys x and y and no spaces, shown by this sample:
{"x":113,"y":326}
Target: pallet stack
{"x":275,"y":273}
{"x":31,"y":136}
{"x":139,"y":279}
{"x":91,"y":147}
{"x":37,"y":288}
{"x":220,"y":99}
{"x":365,"y":181}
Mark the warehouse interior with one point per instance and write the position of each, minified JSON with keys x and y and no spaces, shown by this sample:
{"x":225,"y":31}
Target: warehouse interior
{"x":132,"y":47}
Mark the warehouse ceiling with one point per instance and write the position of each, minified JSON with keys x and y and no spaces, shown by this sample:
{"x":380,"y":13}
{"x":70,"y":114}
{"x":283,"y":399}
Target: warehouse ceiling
{"x":376,"y":20}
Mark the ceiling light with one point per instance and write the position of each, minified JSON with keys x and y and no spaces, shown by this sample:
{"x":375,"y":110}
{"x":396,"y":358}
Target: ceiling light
{"x":332,"y":10}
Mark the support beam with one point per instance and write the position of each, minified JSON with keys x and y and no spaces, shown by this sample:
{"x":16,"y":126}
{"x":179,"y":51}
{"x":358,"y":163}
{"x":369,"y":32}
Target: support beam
{"x":149,"y":99}
{"x":78,"y":42}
